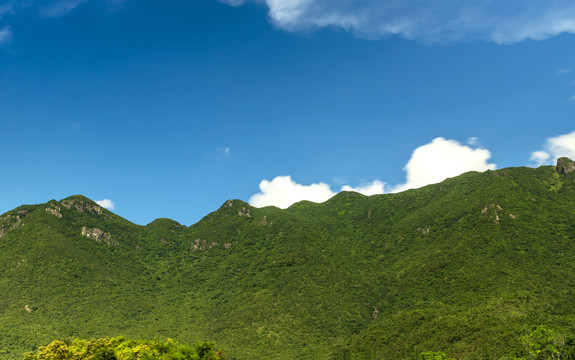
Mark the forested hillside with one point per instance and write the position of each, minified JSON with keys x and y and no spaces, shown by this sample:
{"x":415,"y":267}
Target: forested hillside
{"x":467,"y":266}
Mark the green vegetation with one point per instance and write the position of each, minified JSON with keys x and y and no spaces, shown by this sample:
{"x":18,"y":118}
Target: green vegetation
{"x":542,"y":344}
{"x":122,"y":349}
{"x":434,"y":355}
{"x":468,"y":267}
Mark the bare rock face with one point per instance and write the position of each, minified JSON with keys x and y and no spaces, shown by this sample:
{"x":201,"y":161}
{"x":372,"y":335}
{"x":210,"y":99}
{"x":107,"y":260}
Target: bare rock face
{"x":9,"y":222}
{"x":82,"y":206}
{"x":493,"y":212}
{"x":99,"y":235}
{"x":565,"y":165}
{"x":200,"y":245}
{"x":244,"y":212}
{"x":54,"y":209}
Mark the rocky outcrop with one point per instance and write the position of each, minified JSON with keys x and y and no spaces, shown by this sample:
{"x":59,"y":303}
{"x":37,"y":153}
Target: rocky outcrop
{"x":493,"y":212}
{"x":242,"y":208}
{"x":199,"y":244}
{"x":565,"y":165}
{"x":496,"y":213}
{"x":54,"y":209}
{"x":244,"y":212}
{"x":11,"y":221}
{"x":424,"y":231}
{"x":99,"y":235}
{"x":82,"y":206}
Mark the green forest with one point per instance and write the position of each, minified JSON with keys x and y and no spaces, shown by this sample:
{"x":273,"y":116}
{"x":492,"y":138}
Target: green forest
{"x":542,"y":343}
{"x":480,"y":266}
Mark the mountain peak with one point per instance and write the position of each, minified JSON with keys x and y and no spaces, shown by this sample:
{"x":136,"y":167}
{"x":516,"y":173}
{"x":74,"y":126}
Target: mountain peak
{"x":565,"y":165}
{"x":81,"y":203}
{"x":79,"y":198}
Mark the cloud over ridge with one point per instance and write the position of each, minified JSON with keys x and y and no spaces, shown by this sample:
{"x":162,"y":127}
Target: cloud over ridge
{"x":429,"y":21}
{"x":282,"y":192}
{"x":554,"y":148}
{"x":429,"y":164}
{"x":106,"y":203}
{"x":441,"y":159}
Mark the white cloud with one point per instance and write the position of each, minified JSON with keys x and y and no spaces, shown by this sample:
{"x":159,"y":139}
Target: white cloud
{"x":540,"y":157}
{"x":5,"y":35}
{"x":429,"y":21}
{"x":554,"y":148}
{"x":282,"y":192}
{"x":286,"y":12}
{"x":442,"y":159}
{"x":106,"y":203}
{"x":429,"y":164}
{"x":563,"y":71}
{"x":374,"y":188}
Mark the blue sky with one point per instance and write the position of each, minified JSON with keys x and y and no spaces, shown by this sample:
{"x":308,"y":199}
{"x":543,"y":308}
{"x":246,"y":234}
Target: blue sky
{"x":168,"y":109}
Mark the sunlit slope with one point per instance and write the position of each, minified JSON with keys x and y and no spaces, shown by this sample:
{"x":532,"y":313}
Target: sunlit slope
{"x":465,"y":266}
{"x":494,"y":256}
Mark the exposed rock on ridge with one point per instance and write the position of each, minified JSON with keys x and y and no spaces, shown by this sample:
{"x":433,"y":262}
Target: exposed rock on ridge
{"x":9,"y":222}
{"x":82,"y":206}
{"x":54,"y":209}
{"x":565,"y":165}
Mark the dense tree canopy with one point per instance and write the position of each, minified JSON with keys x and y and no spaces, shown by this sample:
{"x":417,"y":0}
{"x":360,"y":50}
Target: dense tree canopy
{"x":120,"y":348}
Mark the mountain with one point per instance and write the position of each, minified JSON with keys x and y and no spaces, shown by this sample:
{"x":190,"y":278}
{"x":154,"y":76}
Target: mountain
{"x":466,"y":266}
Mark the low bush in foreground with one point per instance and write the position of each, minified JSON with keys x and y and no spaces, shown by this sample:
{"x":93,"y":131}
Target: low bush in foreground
{"x":121,"y":348}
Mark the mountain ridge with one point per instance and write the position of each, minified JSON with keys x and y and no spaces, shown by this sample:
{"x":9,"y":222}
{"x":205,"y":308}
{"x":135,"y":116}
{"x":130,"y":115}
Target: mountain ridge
{"x":466,"y":266}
